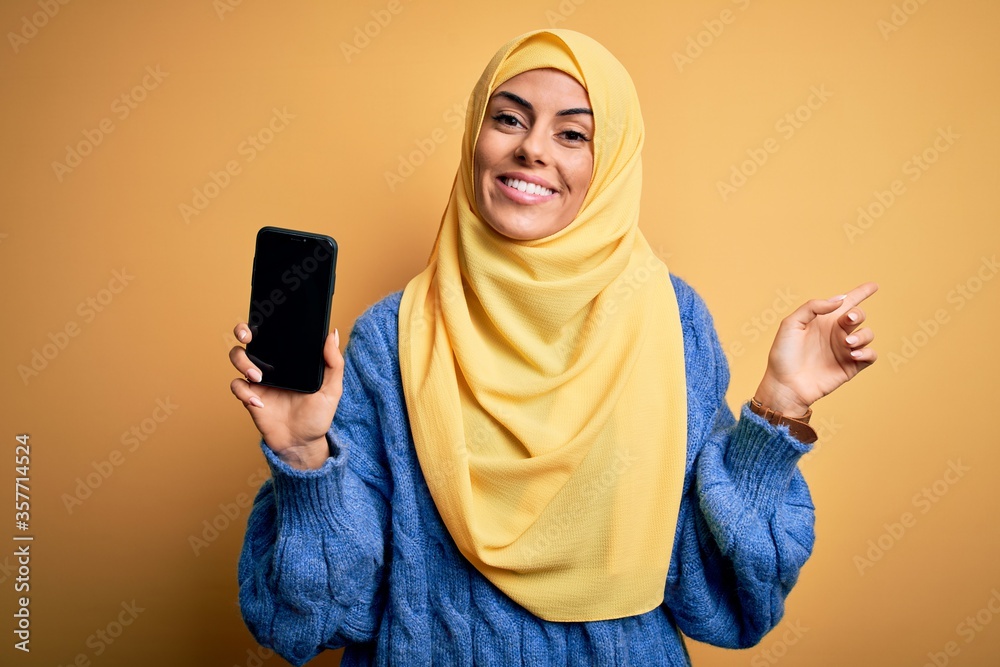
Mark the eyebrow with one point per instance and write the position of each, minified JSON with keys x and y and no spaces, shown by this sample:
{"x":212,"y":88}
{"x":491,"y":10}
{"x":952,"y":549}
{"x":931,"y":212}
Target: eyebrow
{"x":517,"y":99}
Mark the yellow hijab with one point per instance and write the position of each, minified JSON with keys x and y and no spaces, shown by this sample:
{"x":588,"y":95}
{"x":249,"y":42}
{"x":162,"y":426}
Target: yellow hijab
{"x":544,"y":379}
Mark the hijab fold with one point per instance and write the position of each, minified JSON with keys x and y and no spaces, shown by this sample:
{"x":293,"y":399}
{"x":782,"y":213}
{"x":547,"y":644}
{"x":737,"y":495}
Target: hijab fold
{"x":544,"y":379}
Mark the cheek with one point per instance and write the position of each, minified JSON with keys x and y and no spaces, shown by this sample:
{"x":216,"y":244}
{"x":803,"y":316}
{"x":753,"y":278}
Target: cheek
{"x":479,"y":166}
{"x":481,"y":161}
{"x":580,"y":175}
{"x":477,"y":162}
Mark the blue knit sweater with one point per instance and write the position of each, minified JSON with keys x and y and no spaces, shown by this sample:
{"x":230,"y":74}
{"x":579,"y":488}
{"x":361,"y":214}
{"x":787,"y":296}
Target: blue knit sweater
{"x":355,"y":554}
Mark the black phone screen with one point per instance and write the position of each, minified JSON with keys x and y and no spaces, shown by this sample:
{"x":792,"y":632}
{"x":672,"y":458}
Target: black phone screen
{"x":291,"y":291}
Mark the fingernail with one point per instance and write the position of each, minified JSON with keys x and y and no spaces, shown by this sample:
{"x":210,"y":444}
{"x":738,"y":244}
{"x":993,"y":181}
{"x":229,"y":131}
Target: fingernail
{"x":852,"y":316}
{"x":256,"y":401}
{"x":855,"y":353}
{"x":336,"y":336}
{"x":254,"y":374}
{"x":243,"y":334}
{"x":851,"y":340}
{"x":838,"y":298}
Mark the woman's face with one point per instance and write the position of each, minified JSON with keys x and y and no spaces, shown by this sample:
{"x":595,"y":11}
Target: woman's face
{"x":535,"y":154}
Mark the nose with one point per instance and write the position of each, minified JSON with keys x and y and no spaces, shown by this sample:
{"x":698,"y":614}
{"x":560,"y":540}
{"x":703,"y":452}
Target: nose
{"x":533,"y":148}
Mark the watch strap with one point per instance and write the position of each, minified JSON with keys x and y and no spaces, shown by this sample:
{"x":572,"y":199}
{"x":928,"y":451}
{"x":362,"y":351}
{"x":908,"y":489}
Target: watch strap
{"x":798,"y":426}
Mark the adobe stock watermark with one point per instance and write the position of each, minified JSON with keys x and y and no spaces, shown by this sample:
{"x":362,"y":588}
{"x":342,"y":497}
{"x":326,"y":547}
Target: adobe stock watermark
{"x":223,"y":7}
{"x":967,"y":629}
{"x":826,"y":427}
{"x":103,"y":638}
{"x":754,"y":327}
{"x":256,"y":658}
{"x":368,"y":32}
{"x":121,"y":108}
{"x":451,"y":467}
{"x":898,"y":17}
{"x":88,"y":310}
{"x":958,"y":297}
{"x":619,"y":293}
{"x":37,"y":21}
{"x":791,"y":633}
{"x":786,"y":126}
{"x":293,"y":277}
{"x":453,"y":119}
{"x":418,"y":324}
{"x":248,"y":149}
{"x":923,"y":501}
{"x":7,"y":569}
{"x":485,"y":438}
{"x":662,"y":253}
{"x":229,"y":512}
{"x":562,"y":12}
{"x":608,"y":479}
{"x":482,"y":441}
{"x":913,"y":167}
{"x":698,"y":42}
{"x":104,"y":468}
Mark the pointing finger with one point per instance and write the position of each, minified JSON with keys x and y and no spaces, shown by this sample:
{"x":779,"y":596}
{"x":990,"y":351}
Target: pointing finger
{"x":859,"y":294}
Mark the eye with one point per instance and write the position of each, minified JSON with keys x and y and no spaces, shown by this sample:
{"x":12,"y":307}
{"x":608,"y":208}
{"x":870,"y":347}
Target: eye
{"x":574,"y":136}
{"x":506,"y":119}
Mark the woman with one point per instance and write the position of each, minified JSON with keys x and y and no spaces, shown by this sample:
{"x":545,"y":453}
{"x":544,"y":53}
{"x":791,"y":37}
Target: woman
{"x":531,"y":460}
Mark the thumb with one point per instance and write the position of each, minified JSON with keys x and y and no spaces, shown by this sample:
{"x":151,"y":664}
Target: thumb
{"x":333,"y":376}
{"x":808,"y":311}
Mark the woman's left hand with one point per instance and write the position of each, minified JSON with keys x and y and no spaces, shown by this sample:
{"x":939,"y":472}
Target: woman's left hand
{"x":818,"y":347}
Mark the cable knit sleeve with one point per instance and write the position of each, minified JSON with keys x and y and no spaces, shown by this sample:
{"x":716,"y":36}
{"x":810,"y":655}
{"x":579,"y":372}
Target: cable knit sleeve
{"x":746,"y":524}
{"x":312,"y":566}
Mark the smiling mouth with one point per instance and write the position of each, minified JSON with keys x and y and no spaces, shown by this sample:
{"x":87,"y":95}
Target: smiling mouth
{"x":525,"y":187}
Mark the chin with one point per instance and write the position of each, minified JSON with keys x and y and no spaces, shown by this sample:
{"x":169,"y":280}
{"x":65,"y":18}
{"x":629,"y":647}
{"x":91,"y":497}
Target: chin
{"x":519,"y":232}
{"x":521,"y":229}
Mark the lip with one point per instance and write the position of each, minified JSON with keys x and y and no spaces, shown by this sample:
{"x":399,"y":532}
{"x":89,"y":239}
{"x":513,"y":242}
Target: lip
{"x":523,"y":197}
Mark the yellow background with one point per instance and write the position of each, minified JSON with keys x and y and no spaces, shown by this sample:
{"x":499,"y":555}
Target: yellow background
{"x":358,"y":116}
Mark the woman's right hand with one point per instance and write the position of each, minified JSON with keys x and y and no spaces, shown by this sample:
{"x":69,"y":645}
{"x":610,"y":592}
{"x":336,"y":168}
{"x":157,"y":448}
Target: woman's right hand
{"x":293,"y":424}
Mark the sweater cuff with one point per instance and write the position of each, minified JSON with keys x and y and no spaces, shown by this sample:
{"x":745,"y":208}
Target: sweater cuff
{"x":306,"y":497}
{"x":762,"y":458}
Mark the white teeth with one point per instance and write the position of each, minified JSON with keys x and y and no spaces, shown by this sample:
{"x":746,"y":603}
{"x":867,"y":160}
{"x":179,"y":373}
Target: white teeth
{"x":530,"y":188}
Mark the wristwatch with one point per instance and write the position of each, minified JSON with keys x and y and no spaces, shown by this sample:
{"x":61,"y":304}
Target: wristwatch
{"x":798,"y":426}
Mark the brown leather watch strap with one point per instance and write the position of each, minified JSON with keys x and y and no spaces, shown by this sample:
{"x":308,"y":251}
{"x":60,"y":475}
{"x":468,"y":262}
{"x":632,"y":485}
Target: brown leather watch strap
{"x":798,"y":426}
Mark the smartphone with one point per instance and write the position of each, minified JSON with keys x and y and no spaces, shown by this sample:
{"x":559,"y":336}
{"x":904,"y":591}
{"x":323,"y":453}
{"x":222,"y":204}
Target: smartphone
{"x":291,"y":292}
